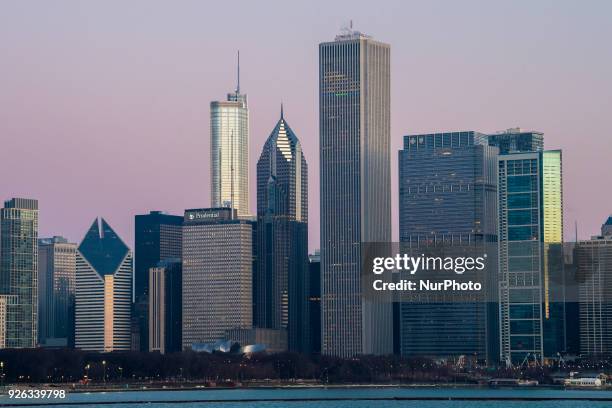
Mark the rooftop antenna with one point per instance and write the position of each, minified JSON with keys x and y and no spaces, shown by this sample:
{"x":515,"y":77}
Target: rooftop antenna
{"x":238,"y":75}
{"x":351,"y":24}
{"x":232,"y":173}
{"x":576,"y":229}
{"x":282,"y":116}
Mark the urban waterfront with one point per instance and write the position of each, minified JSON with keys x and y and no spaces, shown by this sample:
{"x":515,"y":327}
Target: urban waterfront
{"x":334,"y":397}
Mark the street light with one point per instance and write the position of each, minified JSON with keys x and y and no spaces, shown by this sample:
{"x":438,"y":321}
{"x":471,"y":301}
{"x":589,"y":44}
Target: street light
{"x":2,"y":374}
{"x":104,"y":370}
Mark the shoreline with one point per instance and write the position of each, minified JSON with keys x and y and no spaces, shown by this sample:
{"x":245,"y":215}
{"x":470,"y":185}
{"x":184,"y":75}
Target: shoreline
{"x":139,"y":387}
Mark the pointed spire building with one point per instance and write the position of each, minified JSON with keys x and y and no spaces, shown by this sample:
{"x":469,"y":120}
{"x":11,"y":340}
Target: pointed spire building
{"x":281,"y":282}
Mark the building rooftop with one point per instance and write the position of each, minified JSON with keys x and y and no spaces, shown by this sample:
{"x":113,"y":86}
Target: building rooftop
{"x":103,"y":248}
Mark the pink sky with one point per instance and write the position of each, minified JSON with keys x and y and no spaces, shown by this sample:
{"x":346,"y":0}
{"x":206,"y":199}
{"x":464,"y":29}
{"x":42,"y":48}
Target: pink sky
{"x":104,"y":105}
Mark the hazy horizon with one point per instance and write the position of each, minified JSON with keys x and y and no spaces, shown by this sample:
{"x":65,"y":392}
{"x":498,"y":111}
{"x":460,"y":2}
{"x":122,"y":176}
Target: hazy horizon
{"x":104,"y":109}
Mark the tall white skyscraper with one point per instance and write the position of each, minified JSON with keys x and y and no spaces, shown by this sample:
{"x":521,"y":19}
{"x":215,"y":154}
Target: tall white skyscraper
{"x":229,"y":151}
{"x":354,"y":146}
{"x":103,"y":291}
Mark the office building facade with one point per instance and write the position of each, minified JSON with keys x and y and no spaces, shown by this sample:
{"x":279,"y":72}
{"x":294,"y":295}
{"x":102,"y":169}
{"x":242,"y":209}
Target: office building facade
{"x":448,"y":201}
{"x":165,"y":303}
{"x":103,"y":298}
{"x":281,"y":281}
{"x":157,"y":237}
{"x":355,"y":191}
{"x":593,"y":260}
{"x":229,"y":152}
{"x":218,"y":266}
{"x":530,"y":256}
{"x":19,"y":270}
{"x":56,"y":288}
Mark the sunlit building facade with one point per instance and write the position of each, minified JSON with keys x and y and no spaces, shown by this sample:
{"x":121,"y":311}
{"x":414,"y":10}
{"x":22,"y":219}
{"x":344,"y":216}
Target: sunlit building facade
{"x":355,"y":190}
{"x":103,"y":296}
{"x":531,"y":288}
{"x":229,"y":152}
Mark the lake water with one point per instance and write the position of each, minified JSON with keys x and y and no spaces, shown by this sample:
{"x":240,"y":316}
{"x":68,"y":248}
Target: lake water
{"x":357,"y":397}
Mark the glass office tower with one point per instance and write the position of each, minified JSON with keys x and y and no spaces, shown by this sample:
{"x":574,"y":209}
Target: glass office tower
{"x":157,"y":237}
{"x":229,"y":151}
{"x":354,"y":146}
{"x":165,"y":306}
{"x":281,"y":281}
{"x":447,"y":201}
{"x":56,"y":285}
{"x":314,"y":300}
{"x":531,"y":288}
{"x":19,"y":270}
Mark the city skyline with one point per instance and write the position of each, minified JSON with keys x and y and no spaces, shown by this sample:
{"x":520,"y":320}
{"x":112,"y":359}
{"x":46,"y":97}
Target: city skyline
{"x":139,"y":104}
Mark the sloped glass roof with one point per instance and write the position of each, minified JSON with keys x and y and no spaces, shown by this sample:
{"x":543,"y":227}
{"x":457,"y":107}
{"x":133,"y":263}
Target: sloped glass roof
{"x":103,"y":248}
{"x":283,"y":138}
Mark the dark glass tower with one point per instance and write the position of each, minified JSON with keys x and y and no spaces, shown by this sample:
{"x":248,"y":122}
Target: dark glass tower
{"x":157,"y":238}
{"x":354,"y":147}
{"x":56,"y":286}
{"x":281,"y":283}
{"x":447,"y":193}
{"x":314,"y":272}
{"x":165,"y":306}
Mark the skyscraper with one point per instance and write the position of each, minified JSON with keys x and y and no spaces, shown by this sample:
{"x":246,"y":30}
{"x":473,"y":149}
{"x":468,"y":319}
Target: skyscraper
{"x":354,"y":146}
{"x":447,"y":201}
{"x":531,"y":272}
{"x":281,"y":284}
{"x":56,"y":286}
{"x":103,"y":291}
{"x":593,"y":259}
{"x":218,"y":263}
{"x":19,"y":270}
{"x":314,"y":299}
{"x":157,"y":237}
{"x":229,"y":151}
{"x":165,"y":301}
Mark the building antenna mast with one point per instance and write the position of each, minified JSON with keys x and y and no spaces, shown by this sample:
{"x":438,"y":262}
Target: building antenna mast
{"x":576,"y":229}
{"x":238,"y":75}
{"x":232,"y":172}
